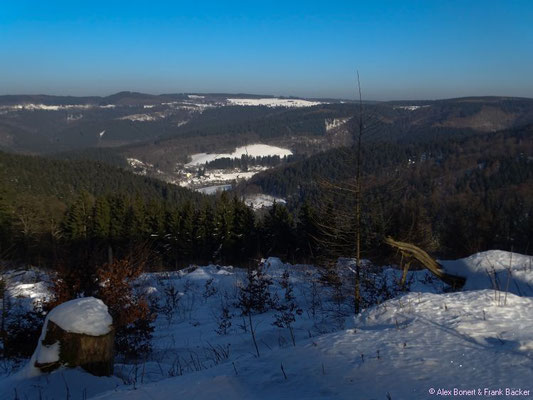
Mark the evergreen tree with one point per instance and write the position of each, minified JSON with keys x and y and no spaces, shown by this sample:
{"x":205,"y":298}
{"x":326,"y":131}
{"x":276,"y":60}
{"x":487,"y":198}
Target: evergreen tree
{"x":244,"y":241}
{"x":101,"y":219}
{"x":78,"y":221}
{"x":278,"y":232}
{"x":186,"y":232}
{"x":119,"y":207}
{"x":307,"y":233}
{"x":6,"y":225}
{"x":223,"y":228}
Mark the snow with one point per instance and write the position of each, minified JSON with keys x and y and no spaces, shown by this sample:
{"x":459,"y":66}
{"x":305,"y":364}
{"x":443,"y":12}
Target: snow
{"x":259,"y":201}
{"x":139,"y":167}
{"x":29,"y":287}
{"x":410,"y":107}
{"x":86,"y":315}
{"x":214,"y":189}
{"x":140,"y":117}
{"x":46,"y":107}
{"x":48,"y":354}
{"x":495,"y":269}
{"x":254,"y":150}
{"x":400,"y":347}
{"x":217,"y":177}
{"x":212,"y":179}
{"x":273,"y":102}
{"x":333,"y":123}
{"x":64,"y":383}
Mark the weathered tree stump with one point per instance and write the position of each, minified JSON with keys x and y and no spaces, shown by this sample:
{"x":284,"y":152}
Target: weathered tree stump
{"x":78,"y":333}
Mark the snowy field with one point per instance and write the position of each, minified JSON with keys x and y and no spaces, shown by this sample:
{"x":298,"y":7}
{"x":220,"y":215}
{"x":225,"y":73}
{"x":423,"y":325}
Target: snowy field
{"x":195,"y":103}
{"x":214,"y":189}
{"x":213,"y":180}
{"x":259,"y":201}
{"x":216,"y":178}
{"x":253,"y":150}
{"x":404,"y":345}
{"x":273,"y":102}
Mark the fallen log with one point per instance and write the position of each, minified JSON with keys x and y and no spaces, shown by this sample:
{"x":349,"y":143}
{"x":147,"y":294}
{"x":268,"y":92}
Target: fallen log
{"x":410,"y":251}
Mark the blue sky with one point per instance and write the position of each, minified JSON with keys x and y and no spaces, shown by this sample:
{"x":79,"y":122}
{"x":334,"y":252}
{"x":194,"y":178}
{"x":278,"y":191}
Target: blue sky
{"x":402,"y":49}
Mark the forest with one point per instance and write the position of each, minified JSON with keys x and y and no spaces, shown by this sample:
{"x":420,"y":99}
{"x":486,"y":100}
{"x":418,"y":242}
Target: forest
{"x":452,"y":196}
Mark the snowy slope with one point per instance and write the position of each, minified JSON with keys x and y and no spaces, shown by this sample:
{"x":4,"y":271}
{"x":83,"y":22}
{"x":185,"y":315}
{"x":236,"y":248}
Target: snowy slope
{"x":254,"y":150}
{"x":273,"y":102}
{"x":66,"y":383}
{"x":402,"y":346}
{"x":498,"y":269}
{"x":259,"y":201}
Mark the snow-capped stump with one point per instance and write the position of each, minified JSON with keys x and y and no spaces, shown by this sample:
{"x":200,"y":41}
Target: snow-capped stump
{"x":78,"y":333}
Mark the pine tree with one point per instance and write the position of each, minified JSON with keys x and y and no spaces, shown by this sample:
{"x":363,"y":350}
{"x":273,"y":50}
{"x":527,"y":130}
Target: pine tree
{"x":78,"y":221}
{"x":287,"y":309}
{"x":307,"y":233}
{"x":101,"y":219}
{"x":254,"y":297}
{"x":6,"y":224}
{"x":186,"y":232}
{"x":279,"y":234}
{"x":243,"y":231}
{"x":223,"y":228}
{"x":118,"y":211}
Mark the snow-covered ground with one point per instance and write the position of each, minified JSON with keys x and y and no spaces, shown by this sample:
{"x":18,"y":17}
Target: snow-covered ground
{"x":410,"y":107}
{"x":253,"y":150}
{"x":508,"y":272}
{"x":403,"y":345}
{"x":139,"y":167}
{"x":259,"y":201}
{"x":214,"y":189}
{"x":142,"y":117}
{"x":46,"y":107}
{"x":211,"y":180}
{"x":333,"y":123}
{"x":273,"y":102}
{"x":216,"y":177}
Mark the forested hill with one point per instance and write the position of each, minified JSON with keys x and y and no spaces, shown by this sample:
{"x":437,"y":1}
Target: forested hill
{"x":459,"y":157}
{"x":23,"y":178}
{"x":453,"y":196}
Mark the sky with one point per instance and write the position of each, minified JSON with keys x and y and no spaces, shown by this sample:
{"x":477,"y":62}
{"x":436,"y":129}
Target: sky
{"x":405,"y":49}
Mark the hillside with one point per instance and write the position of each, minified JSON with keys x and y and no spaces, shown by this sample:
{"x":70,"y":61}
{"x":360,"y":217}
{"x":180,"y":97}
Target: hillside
{"x":32,"y":176}
{"x":156,"y":135}
{"x":57,"y":123}
{"x":402,"y":346}
{"x":430,"y":192}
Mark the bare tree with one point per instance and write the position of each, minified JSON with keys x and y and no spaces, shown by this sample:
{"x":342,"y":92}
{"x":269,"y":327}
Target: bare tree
{"x":342,"y":209}
{"x":359,"y":133}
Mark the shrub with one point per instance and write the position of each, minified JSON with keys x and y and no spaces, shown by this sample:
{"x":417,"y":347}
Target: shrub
{"x":131,"y":315}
